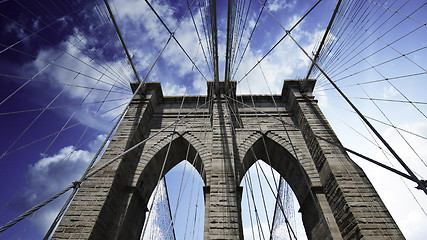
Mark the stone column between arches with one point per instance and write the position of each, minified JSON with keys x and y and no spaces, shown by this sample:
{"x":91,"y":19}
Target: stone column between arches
{"x":357,"y":208}
{"x":222,"y":193}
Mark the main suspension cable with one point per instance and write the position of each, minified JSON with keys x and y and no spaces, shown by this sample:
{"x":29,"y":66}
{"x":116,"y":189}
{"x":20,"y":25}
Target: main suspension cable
{"x":415,"y":178}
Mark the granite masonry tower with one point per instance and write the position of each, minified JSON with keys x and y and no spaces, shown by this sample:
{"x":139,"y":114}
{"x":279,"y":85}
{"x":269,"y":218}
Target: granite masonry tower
{"x":222,"y":135}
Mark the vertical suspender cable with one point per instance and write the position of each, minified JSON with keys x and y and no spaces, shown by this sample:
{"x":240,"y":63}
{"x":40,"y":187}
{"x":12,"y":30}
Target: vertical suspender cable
{"x":169,"y":208}
{"x":214,"y":36}
{"x":229,"y":49}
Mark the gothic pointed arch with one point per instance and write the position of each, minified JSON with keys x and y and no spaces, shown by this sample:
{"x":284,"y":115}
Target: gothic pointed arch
{"x":300,"y":174}
{"x":166,"y":153}
{"x":280,"y":154}
{"x":163,"y":153}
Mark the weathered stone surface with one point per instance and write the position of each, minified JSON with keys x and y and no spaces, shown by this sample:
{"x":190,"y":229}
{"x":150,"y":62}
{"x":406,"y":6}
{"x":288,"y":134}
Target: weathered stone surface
{"x":222,"y":140}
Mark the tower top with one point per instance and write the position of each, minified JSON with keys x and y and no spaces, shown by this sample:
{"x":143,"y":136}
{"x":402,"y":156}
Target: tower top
{"x":228,"y":88}
{"x":305,"y":86}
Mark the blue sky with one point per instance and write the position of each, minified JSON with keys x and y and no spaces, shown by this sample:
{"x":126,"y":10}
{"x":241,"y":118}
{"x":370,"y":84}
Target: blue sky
{"x":63,"y":57}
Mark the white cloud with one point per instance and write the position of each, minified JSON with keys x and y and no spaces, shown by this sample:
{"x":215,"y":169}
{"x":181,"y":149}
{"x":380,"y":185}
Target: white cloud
{"x":137,"y":17}
{"x":322,"y":97}
{"x":146,"y":36}
{"x":200,"y":86}
{"x":12,"y":28}
{"x":277,"y":5}
{"x":50,"y":175}
{"x":389,"y":92}
{"x":286,"y":61}
{"x":173,"y":89}
{"x":87,"y":82}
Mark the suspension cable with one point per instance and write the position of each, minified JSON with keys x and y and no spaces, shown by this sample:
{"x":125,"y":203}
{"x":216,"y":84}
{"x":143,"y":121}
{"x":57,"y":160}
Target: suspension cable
{"x":328,"y":28}
{"x":249,"y":39}
{"x":176,"y":40}
{"x":415,"y":178}
{"x":121,"y":40}
{"x":90,"y":174}
{"x":58,"y":47}
{"x":280,"y":40}
{"x":335,"y":144}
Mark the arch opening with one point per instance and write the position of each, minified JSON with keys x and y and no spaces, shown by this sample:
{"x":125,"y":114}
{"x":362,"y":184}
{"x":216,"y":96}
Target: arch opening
{"x":176,"y":206}
{"x":181,"y":169}
{"x":267,"y":202}
{"x":169,"y":156}
{"x":152,"y":169}
{"x":266,"y":152}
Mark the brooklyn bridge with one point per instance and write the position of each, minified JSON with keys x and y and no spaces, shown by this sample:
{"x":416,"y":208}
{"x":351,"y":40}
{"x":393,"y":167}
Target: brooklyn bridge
{"x":205,"y":119}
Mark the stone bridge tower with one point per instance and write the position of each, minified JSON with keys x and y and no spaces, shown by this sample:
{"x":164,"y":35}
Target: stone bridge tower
{"x":224,"y":138}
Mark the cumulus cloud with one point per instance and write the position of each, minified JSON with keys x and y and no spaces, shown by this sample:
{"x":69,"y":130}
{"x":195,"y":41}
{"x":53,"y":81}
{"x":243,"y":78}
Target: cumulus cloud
{"x":277,"y":5}
{"x":284,"y":62}
{"x":389,"y":92}
{"x":76,"y":78}
{"x":146,"y":36}
{"x":50,"y":175}
{"x":322,"y":97}
{"x":12,"y":28}
{"x":200,"y":86}
{"x":151,"y":36}
{"x":173,"y":89}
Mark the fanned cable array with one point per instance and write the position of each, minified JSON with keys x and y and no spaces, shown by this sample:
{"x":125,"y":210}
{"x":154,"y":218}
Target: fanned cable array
{"x":66,"y":68}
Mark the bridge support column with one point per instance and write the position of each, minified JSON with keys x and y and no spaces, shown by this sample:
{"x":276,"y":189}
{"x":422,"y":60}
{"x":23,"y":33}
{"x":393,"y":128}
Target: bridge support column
{"x":358,"y":210}
{"x":223,"y":194}
{"x":98,"y":210}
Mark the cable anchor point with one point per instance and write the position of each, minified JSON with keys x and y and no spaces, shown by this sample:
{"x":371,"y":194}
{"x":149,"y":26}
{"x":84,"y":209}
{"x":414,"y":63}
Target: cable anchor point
{"x":77,"y":184}
{"x":423,"y":182}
